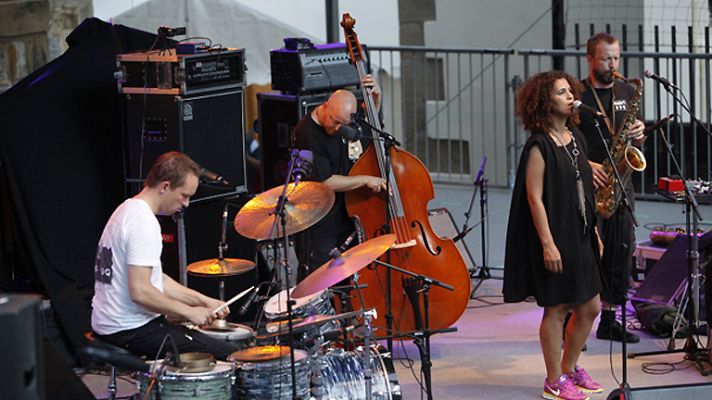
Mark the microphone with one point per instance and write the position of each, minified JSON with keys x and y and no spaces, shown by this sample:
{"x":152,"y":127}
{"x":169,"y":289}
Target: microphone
{"x":336,"y":251}
{"x":578,"y":105}
{"x":209,"y":176}
{"x":655,"y":126}
{"x":652,"y":75}
{"x":251,"y":299}
{"x":351,"y":131}
{"x":481,"y":171}
{"x":302,"y":160}
{"x":174,"y":360}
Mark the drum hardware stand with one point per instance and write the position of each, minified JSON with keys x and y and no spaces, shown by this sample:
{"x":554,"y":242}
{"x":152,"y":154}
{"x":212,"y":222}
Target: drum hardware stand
{"x":281,"y":221}
{"x":179,"y":218}
{"x":481,"y":184}
{"x":692,"y":218}
{"x":368,"y":316}
{"x":422,"y":339}
{"x":343,"y":293}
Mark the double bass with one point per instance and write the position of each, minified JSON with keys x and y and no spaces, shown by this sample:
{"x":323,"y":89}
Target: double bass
{"x":402,"y":211}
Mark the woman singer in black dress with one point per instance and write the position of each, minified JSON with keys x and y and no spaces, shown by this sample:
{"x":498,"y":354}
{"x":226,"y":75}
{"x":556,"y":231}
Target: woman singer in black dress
{"x":552,"y":249}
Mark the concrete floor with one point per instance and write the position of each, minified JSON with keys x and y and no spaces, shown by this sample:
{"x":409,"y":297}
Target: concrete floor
{"x":495,"y":352}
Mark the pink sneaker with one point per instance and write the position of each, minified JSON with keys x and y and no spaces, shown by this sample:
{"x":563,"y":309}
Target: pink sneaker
{"x":584,"y":382}
{"x":562,"y":389}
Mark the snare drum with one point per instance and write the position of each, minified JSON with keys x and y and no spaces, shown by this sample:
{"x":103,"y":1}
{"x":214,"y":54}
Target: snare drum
{"x":272,"y":379}
{"x":338,"y":374}
{"x":318,"y":303}
{"x":241,"y":335}
{"x":215,"y":384}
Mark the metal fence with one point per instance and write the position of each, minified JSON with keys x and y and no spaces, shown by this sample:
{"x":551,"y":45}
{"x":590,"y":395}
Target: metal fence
{"x":451,"y":107}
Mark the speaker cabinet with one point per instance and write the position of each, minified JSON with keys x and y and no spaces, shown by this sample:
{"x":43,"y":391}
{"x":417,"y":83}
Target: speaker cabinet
{"x":208,"y":127}
{"x":278,"y":115}
{"x":22,"y":371}
{"x":667,"y":280}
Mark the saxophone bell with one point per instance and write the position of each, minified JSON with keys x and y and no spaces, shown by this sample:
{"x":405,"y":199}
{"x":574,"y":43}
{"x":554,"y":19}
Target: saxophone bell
{"x":635,"y":158}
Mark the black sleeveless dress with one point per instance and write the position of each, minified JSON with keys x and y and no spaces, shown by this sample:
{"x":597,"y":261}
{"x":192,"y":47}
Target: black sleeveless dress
{"x":524,"y":272}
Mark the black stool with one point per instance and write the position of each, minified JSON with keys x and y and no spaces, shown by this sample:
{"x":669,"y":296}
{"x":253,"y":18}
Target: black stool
{"x":93,"y":341}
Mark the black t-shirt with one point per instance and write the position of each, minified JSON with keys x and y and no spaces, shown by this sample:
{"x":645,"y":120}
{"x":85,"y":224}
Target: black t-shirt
{"x":330,"y":158}
{"x":617,"y":98}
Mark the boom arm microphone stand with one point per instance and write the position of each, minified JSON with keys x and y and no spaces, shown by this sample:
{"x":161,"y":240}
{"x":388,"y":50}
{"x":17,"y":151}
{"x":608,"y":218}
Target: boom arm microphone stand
{"x":693,"y":266}
{"x":423,"y":342}
{"x":624,"y":389}
{"x":480,"y":183}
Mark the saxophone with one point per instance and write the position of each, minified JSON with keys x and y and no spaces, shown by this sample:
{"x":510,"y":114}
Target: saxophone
{"x":626,"y":157}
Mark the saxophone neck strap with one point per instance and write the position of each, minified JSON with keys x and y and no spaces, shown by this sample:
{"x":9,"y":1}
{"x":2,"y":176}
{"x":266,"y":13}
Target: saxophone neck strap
{"x":610,"y":121}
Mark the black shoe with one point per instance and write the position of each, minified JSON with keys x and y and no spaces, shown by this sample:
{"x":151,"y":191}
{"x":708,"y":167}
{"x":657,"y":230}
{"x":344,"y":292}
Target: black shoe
{"x":615,"y":332}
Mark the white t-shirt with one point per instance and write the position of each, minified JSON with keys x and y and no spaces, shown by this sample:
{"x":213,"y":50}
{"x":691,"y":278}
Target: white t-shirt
{"x":131,"y":237}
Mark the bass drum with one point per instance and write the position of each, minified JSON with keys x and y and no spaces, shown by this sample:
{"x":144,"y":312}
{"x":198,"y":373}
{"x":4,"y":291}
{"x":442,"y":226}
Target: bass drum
{"x":339,"y":375}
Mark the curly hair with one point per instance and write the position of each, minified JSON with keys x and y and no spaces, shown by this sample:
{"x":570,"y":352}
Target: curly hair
{"x":534,"y":104}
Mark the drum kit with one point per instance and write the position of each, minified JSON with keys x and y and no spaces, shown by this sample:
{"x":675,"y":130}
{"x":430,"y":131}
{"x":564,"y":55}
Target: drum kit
{"x":296,"y":353}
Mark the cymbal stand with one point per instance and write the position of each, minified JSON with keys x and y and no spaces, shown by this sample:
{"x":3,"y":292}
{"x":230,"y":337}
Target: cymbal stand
{"x":367,"y":317}
{"x":281,"y":221}
{"x":422,"y":339}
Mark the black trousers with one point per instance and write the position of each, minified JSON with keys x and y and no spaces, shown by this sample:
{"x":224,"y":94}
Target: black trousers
{"x":618,"y":236}
{"x":146,"y":340}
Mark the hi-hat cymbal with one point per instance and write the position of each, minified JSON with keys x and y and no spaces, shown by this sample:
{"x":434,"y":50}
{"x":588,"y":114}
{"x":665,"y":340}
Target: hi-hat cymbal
{"x":340,"y":268}
{"x":218,"y":267}
{"x":260,"y":353}
{"x":280,"y":328}
{"x":307,"y":203}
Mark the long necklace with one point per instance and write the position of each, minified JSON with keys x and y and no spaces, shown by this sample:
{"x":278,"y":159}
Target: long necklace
{"x":573,"y":156}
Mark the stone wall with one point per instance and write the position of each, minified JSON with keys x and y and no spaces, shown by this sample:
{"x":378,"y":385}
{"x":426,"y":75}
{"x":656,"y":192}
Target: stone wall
{"x":33,"y":32}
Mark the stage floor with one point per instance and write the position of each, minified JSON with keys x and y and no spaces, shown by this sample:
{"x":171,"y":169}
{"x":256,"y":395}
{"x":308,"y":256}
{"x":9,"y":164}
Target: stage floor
{"x":495,"y":353}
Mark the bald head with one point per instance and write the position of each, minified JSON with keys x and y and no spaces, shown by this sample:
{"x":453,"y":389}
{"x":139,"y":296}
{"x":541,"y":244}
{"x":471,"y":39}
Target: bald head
{"x":337,"y":110}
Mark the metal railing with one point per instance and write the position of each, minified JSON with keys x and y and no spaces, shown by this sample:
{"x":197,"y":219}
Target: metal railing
{"x":452,"y":106}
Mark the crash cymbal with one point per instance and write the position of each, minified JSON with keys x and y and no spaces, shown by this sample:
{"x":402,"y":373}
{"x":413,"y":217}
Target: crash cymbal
{"x":340,"y":268}
{"x":260,"y":353}
{"x":218,"y":267}
{"x":307,"y":203}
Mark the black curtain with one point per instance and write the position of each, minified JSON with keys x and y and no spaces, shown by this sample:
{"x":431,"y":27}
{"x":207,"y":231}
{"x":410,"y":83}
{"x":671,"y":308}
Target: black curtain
{"x":61,"y":170}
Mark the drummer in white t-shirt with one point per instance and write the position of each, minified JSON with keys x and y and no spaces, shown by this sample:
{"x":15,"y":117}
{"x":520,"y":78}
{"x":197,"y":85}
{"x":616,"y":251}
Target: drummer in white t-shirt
{"x":133,"y":299}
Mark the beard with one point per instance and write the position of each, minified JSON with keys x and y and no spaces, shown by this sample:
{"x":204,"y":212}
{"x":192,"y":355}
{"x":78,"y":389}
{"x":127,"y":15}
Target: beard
{"x":605,"y":77}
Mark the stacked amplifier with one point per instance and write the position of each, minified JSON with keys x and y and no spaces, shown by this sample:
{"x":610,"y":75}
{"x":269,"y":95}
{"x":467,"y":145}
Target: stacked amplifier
{"x":305,"y":74}
{"x":193,"y":103}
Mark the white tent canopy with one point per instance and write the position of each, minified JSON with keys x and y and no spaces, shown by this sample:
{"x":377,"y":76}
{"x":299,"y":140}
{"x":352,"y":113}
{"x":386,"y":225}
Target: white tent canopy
{"x":225,"y":22}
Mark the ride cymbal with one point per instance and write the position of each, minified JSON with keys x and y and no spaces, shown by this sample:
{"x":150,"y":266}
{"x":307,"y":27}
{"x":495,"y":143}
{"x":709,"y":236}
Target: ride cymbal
{"x":347,"y":264}
{"x":218,"y":267}
{"x":307,"y":203}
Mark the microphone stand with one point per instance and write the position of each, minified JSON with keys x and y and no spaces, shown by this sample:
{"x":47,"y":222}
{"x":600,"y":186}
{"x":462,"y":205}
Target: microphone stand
{"x":281,"y":221}
{"x":624,"y":389}
{"x":422,"y":339}
{"x":692,"y":212}
{"x":484,"y":272}
{"x":388,"y":141}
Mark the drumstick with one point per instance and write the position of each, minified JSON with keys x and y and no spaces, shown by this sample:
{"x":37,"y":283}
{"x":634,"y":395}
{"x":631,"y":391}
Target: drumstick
{"x":234,"y":299}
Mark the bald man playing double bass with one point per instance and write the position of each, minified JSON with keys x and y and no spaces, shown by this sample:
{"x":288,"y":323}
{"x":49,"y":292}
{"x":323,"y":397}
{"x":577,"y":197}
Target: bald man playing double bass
{"x":334,"y":156}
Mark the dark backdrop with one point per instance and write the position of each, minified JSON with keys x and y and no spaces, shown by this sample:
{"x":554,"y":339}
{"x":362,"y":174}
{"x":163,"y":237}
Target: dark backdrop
{"x":61,"y":170}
